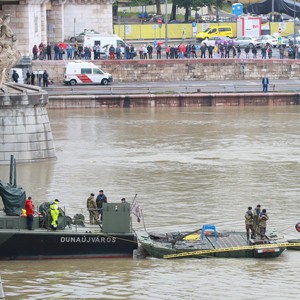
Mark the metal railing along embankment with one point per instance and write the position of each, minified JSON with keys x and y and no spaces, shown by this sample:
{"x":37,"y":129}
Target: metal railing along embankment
{"x":201,"y":88}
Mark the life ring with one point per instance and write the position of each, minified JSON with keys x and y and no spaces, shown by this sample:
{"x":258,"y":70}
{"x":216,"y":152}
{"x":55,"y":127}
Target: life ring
{"x":297,"y":226}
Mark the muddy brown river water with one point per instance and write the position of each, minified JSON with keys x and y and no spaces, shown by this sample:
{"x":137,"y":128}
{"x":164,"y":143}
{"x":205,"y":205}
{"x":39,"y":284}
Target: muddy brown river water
{"x":188,"y":167}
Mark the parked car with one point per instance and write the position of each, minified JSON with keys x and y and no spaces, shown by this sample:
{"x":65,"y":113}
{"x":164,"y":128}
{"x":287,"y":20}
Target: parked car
{"x":217,"y":40}
{"x":289,"y":40}
{"x":80,"y":37}
{"x":268,"y":39}
{"x":214,"y":31}
{"x":291,"y":37}
{"x":156,"y":19}
{"x":250,"y":41}
{"x":175,"y":22}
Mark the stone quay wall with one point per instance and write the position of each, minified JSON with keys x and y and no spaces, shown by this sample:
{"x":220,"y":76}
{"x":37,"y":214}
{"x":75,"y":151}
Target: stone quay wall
{"x":25,"y":130}
{"x":176,"y":100}
{"x":182,"y":69}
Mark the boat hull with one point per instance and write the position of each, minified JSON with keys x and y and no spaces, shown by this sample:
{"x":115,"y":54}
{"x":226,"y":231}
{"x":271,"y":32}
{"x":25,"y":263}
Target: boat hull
{"x":294,"y":247}
{"x":63,"y":245}
{"x":266,"y":253}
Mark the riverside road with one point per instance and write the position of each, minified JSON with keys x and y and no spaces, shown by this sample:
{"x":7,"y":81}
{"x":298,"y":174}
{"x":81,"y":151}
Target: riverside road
{"x":212,"y":86}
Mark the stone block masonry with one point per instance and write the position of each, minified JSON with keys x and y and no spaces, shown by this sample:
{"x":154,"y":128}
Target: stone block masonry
{"x":25,"y":131}
{"x":182,"y":69}
{"x":176,"y":100}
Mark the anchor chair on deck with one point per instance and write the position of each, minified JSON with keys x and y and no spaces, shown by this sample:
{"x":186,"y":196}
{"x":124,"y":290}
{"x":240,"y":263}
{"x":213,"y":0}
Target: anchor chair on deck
{"x":208,"y":227}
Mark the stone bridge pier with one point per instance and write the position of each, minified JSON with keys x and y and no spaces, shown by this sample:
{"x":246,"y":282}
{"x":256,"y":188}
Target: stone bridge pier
{"x":25,"y":130}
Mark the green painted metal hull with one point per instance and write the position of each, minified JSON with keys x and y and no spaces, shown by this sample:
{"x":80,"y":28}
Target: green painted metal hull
{"x":159,"y":246}
{"x":294,"y":241}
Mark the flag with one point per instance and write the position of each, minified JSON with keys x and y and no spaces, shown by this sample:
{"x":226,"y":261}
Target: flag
{"x":135,"y":210}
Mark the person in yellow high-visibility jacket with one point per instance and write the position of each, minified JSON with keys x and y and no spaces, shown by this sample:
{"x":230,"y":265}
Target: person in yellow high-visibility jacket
{"x":54,"y":211}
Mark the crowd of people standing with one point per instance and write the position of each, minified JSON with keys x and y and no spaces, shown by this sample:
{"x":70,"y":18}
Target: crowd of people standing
{"x":61,"y":51}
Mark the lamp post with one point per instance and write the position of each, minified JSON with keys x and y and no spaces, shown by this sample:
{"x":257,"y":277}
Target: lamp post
{"x":272,"y":15}
{"x":74,"y":29}
{"x":294,"y":23}
{"x":166,"y":23}
{"x":124,"y":11}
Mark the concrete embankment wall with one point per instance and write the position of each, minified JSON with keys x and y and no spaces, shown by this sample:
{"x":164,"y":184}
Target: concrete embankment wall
{"x":177,"y":100}
{"x":183,"y":69}
{"x":179,"y":70}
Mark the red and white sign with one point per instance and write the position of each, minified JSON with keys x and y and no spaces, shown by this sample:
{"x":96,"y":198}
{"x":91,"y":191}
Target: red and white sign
{"x":249,"y":26}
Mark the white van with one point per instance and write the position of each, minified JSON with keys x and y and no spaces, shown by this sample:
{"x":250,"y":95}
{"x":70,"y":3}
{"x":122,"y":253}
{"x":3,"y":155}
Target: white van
{"x":79,"y":72}
{"x":104,"y":41}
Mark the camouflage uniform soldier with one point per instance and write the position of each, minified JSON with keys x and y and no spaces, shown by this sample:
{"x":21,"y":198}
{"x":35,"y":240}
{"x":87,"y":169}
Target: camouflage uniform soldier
{"x":263,"y":217}
{"x":92,"y":208}
{"x":249,"y":223}
{"x":256,"y":214}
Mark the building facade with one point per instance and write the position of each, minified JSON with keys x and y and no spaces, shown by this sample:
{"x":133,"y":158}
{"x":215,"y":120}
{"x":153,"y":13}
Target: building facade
{"x":36,"y":21}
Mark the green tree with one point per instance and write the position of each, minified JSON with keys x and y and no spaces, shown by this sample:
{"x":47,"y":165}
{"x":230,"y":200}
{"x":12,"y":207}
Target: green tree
{"x":158,"y":8}
{"x":147,"y":2}
{"x":191,"y":4}
{"x":218,"y":5}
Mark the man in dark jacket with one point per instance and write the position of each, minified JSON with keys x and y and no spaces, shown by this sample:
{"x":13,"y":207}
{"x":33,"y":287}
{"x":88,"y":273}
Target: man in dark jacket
{"x":28,"y":77}
{"x":45,"y":79}
{"x":48,"y":50}
{"x":56,"y":51}
{"x":265,"y":82}
{"x":32,"y":78}
{"x":101,"y":198}
{"x":203,"y":50}
{"x":158,"y":51}
{"x":111,"y":52}
{"x":150,"y":51}
{"x":15,"y":76}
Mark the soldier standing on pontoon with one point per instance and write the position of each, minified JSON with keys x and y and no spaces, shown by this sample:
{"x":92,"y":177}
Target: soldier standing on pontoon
{"x":92,"y":208}
{"x":256,"y":214}
{"x":249,"y":223}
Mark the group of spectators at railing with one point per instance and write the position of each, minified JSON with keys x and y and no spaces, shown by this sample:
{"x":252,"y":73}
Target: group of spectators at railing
{"x":77,"y":51}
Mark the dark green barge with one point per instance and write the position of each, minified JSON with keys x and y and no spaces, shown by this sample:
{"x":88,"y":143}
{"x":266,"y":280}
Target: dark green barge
{"x":223,"y":245}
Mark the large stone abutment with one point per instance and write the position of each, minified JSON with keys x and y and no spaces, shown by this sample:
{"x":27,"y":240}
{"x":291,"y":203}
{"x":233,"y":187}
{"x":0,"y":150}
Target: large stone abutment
{"x":25,"y":130}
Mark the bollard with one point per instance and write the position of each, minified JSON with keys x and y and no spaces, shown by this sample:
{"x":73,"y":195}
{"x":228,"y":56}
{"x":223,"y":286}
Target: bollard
{"x":2,"y":297}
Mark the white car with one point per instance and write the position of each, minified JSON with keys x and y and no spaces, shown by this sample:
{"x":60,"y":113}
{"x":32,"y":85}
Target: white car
{"x":244,"y":41}
{"x":291,"y":37}
{"x":216,"y":40}
{"x":268,"y":39}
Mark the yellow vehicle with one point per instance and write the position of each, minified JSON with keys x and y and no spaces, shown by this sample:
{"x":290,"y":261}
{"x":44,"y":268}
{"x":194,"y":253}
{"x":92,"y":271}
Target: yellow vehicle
{"x":214,"y":31}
